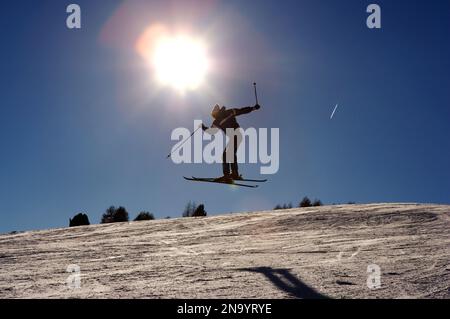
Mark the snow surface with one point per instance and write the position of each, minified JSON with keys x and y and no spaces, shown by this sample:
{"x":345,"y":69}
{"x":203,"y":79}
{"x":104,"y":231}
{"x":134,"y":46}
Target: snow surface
{"x":298,"y":253}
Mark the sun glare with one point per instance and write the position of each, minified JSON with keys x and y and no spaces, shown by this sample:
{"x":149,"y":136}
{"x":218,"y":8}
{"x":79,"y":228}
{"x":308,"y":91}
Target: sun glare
{"x":180,"y":62}
{"x":177,"y":59}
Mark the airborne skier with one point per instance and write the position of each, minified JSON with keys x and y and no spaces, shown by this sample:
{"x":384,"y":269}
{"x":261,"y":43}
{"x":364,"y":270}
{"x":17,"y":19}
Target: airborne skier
{"x":226,"y":119}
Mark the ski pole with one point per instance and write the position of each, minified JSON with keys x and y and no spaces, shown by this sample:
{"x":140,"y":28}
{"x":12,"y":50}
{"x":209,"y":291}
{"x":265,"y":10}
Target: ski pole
{"x":170,"y":154}
{"x":256,"y":93}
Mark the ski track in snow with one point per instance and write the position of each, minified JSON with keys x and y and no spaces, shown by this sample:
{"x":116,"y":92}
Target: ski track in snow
{"x":296,"y":253}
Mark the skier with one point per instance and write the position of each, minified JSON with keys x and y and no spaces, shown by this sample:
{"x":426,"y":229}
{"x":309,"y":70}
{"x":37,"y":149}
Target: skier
{"x":226,"y":119}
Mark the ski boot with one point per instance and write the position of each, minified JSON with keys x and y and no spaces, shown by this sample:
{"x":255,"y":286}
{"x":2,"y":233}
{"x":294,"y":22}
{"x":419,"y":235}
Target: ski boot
{"x":236,"y":177}
{"x":226,"y":179}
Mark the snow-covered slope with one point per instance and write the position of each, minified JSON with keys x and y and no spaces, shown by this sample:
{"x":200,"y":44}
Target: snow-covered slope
{"x":297,"y":253}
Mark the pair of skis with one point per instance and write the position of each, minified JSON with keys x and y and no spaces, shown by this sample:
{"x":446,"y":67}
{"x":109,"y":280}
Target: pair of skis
{"x":214,"y":180}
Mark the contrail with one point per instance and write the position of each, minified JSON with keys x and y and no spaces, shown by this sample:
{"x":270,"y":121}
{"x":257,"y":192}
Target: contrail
{"x":331,"y":117}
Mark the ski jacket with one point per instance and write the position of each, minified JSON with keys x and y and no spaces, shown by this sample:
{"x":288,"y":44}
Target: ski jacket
{"x":227,"y":118}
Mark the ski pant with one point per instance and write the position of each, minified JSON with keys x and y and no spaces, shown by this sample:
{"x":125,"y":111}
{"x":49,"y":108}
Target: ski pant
{"x":229,"y":156}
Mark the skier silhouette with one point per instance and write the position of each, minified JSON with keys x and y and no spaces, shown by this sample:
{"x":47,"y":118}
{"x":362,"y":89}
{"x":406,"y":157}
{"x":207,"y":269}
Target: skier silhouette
{"x":226,"y":119}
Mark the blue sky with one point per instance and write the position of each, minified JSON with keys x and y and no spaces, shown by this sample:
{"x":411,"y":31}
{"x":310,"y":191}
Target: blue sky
{"x":82,"y":128}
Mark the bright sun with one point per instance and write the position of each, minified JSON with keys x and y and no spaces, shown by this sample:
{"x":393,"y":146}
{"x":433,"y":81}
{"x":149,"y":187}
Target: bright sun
{"x":180,"y":62}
